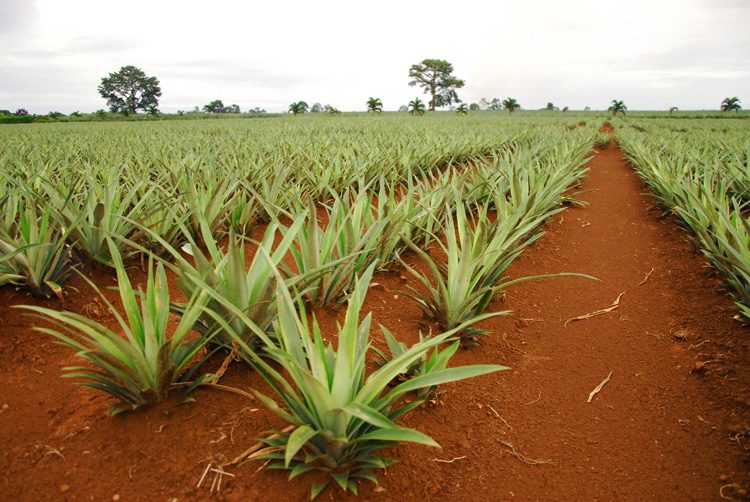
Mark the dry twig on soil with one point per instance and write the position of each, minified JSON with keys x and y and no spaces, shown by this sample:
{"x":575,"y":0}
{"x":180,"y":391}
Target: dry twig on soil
{"x":257,"y":446}
{"x":599,"y":387}
{"x":448,"y":461}
{"x":535,"y":400}
{"x":598,"y":312}
{"x":647,"y":276}
{"x":523,"y":458}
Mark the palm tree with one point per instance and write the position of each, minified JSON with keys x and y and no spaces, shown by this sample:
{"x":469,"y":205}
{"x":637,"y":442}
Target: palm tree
{"x":374,"y":105}
{"x":673,"y":109}
{"x":617,"y":106}
{"x":511,"y":105}
{"x":462,"y":109}
{"x":332,"y":110}
{"x":565,"y":109}
{"x":299,"y":107}
{"x":416,"y":107}
{"x":731,"y":105}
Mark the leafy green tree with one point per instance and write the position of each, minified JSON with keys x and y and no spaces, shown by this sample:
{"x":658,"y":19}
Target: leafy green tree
{"x":54,"y":115}
{"x":215,"y":106}
{"x":565,"y":109}
{"x":474,"y":106}
{"x":435,"y":76}
{"x":673,"y":109}
{"x":416,"y":107}
{"x":153,"y":111}
{"x":495,"y":104}
{"x":257,"y":110}
{"x":5,"y":112}
{"x":232,"y":109}
{"x":101,"y":114}
{"x":316,"y":108}
{"x":403,"y":108}
{"x":462,"y":109}
{"x":617,"y":107}
{"x":300,"y":107}
{"x":731,"y":105}
{"x":332,"y":110}
{"x":75,"y":114}
{"x":511,"y":105}
{"x":130,"y":89}
{"x":375,"y":106}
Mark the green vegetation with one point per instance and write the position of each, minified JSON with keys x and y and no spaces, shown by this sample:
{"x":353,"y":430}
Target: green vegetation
{"x":617,"y":107}
{"x":511,"y":105}
{"x":375,"y":106}
{"x":341,"y":418}
{"x":731,"y":105}
{"x":129,"y":90}
{"x":262,"y":221}
{"x":143,"y":367}
{"x":435,"y":76}
{"x":699,"y":171}
{"x":416,"y":107}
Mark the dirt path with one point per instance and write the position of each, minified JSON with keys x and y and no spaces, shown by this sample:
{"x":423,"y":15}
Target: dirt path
{"x":662,"y":428}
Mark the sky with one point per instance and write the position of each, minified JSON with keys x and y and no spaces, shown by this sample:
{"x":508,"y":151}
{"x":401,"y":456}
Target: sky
{"x":651,"y":54}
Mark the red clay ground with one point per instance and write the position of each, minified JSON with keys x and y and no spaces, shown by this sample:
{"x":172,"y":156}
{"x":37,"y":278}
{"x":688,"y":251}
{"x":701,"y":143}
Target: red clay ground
{"x":670,"y":424}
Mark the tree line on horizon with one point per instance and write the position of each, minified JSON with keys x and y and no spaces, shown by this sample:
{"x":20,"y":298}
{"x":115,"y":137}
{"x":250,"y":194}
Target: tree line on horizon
{"x":130,"y":90}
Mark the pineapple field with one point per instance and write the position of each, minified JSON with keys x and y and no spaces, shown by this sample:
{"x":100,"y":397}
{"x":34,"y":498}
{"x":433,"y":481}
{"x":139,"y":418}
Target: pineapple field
{"x":446,"y":307}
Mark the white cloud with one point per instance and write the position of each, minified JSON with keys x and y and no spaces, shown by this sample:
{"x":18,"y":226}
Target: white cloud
{"x":651,"y":53}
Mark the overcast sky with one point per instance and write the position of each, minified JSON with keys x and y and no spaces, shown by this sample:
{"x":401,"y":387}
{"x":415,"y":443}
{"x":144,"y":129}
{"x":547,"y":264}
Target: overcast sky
{"x":652,"y":54}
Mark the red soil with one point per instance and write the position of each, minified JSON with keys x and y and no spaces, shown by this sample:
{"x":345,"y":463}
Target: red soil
{"x":670,"y":424}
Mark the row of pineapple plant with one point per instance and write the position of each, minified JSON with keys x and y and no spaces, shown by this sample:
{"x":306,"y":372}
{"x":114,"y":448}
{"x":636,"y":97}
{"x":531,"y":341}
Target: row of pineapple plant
{"x":701,"y":174}
{"x":341,"y":417}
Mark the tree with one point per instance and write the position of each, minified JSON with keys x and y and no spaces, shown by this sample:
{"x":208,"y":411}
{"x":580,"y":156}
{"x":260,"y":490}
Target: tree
{"x":54,"y":115}
{"x":21,"y":112}
{"x":731,"y":105}
{"x":257,"y":110}
{"x":617,"y":106}
{"x":511,"y":105}
{"x":435,"y":77}
{"x":462,"y":109}
{"x":416,"y":107}
{"x":215,"y":106}
{"x":232,"y":109}
{"x":316,"y":108}
{"x":474,"y":106}
{"x":374,"y":105}
{"x":298,"y":108}
{"x":495,"y":104}
{"x":565,"y":109}
{"x":403,"y":108}
{"x":130,"y":89}
{"x":5,"y":112}
{"x":75,"y":114}
{"x":673,"y":109}
{"x":332,"y":110}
